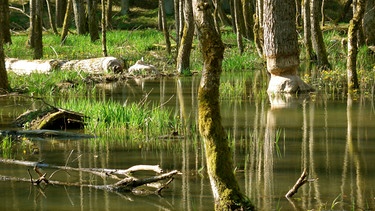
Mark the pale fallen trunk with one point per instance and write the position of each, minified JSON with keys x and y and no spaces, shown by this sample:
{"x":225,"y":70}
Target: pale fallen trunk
{"x":126,"y":184}
{"x":94,"y":65}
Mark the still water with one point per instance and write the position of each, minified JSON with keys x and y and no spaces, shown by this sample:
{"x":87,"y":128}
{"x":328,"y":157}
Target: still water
{"x":333,"y":139}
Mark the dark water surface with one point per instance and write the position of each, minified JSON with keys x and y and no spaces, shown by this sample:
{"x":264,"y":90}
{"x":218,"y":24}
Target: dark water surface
{"x":333,"y":139}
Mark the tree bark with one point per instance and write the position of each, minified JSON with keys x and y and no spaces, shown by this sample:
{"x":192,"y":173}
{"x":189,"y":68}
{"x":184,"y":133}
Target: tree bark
{"x":248,"y":11}
{"x":104,"y":29}
{"x":92,"y":20}
{"x":281,"y":47}
{"x":79,"y":16}
{"x":108,"y":18}
{"x":4,"y":22}
{"x":351,"y":64}
{"x":164,"y":26}
{"x":369,"y":23}
{"x":317,"y":36}
{"x":60,"y":10}
{"x":307,"y":30}
{"x":183,"y":57}
{"x":51,"y":22}
{"x":37,"y":29}
{"x":124,"y":7}
{"x":238,"y":19}
{"x":224,"y":185}
{"x":65,"y":28}
{"x":4,"y":84}
{"x":258,"y":28}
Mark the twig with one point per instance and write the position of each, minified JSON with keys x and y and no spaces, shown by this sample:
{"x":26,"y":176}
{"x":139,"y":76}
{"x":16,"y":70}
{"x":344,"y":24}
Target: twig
{"x":301,"y":180}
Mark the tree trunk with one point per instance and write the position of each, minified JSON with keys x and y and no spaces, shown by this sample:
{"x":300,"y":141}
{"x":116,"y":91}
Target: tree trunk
{"x":258,"y":28}
{"x":351,"y":63}
{"x":124,"y":7}
{"x":68,"y":13}
{"x":37,"y":29}
{"x":51,"y":22}
{"x":4,"y":22}
{"x":224,"y":185}
{"x":79,"y":16}
{"x":164,"y":26}
{"x":104,"y":29}
{"x":178,"y":15}
{"x":307,"y":30}
{"x":369,"y":23}
{"x":248,"y":11}
{"x":60,"y":12}
{"x":4,"y":84}
{"x":92,"y":20}
{"x":108,"y":18}
{"x":183,"y":57}
{"x":238,"y":19}
{"x":317,"y":36}
{"x":281,"y":47}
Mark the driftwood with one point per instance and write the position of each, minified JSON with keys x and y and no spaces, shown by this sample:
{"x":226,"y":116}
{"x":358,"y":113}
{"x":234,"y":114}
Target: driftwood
{"x":94,"y":65}
{"x":301,"y":181}
{"x":126,"y":184}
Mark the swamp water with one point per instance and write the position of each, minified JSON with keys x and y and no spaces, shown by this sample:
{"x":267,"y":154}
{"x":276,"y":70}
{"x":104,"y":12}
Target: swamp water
{"x":333,"y":139}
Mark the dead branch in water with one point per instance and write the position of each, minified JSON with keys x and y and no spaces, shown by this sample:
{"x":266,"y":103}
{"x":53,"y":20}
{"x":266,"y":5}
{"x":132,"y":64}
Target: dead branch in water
{"x":301,"y":181}
{"x":126,"y":184}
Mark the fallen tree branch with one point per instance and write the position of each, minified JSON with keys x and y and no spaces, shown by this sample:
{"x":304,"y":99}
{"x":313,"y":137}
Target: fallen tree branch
{"x":301,"y":181}
{"x":127,"y":184}
{"x":97,"y":171}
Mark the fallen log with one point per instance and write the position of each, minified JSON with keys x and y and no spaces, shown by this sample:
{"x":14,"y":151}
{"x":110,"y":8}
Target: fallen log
{"x":94,"y":65}
{"x":126,"y":184}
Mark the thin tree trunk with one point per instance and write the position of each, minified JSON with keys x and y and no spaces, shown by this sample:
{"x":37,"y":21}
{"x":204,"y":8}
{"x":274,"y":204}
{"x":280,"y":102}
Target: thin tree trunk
{"x":92,"y":20}
{"x":31,"y":39}
{"x":307,"y":30}
{"x":79,"y":16}
{"x":51,"y":22}
{"x":164,"y":27}
{"x":369,"y":23}
{"x":258,"y":28}
{"x":177,"y":20}
{"x":248,"y":11}
{"x":317,"y":36}
{"x":238,"y":18}
{"x":68,"y":13}
{"x":124,"y":7}
{"x":38,"y":30}
{"x":104,"y":29}
{"x":109,"y":14}
{"x":60,"y":12}
{"x":225,"y":188}
{"x":183,"y":57}
{"x":4,"y":23}
{"x":351,"y":64}
{"x":4,"y":84}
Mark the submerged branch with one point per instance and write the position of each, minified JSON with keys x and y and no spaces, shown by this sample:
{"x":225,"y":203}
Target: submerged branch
{"x":301,"y":181}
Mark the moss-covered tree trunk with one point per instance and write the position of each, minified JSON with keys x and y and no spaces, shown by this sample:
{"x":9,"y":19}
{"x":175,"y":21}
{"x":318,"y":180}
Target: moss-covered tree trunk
{"x":351,"y":63}
{"x":60,"y":9}
{"x":317,"y":35}
{"x":281,"y":47}
{"x":183,"y":57}
{"x":224,"y":185}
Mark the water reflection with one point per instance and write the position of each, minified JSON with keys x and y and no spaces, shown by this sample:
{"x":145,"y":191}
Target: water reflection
{"x":272,"y":144}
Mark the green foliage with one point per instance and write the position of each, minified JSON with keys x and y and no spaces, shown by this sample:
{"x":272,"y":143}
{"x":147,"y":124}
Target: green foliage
{"x":6,"y":147}
{"x":135,"y":120}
